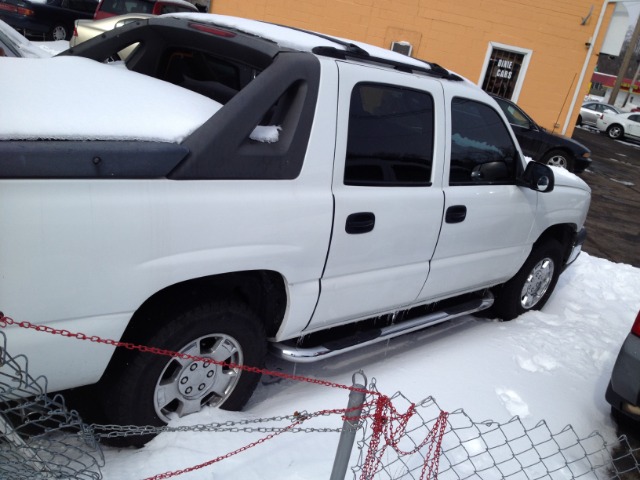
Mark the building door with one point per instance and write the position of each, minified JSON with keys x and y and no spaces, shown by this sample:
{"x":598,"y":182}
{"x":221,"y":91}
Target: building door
{"x":504,"y":70}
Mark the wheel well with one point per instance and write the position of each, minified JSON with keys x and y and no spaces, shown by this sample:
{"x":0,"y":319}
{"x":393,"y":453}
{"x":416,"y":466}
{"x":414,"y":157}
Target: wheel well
{"x":557,"y":149}
{"x":563,"y":233}
{"x":263,"y":291}
{"x":615,"y":125}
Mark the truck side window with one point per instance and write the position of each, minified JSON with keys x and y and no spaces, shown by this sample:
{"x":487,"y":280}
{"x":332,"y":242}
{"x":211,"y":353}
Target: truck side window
{"x":390,"y":138}
{"x":482,"y":151}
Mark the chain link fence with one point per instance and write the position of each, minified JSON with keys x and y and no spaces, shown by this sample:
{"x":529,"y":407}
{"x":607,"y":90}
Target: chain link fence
{"x":396,"y":439}
{"x":491,"y":450}
{"x":40,"y":438}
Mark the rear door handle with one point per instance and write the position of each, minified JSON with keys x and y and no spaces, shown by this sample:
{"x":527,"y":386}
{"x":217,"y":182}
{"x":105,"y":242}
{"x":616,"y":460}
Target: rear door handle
{"x":361,"y":222}
{"x":455,"y":214}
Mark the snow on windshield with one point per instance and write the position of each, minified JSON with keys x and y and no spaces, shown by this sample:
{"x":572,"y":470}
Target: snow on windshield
{"x":73,"y":98}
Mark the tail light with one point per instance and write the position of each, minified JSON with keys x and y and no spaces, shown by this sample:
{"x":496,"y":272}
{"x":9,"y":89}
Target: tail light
{"x":27,"y":12}
{"x":636,"y":326}
{"x":75,"y":31}
{"x":212,"y":30}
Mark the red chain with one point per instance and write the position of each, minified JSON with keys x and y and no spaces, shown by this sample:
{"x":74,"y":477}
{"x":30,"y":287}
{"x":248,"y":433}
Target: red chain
{"x":7,"y":321}
{"x":383,"y":419}
{"x":383,"y":425}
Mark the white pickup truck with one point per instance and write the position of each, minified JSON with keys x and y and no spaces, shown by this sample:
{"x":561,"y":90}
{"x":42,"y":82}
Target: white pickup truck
{"x":236,"y":186}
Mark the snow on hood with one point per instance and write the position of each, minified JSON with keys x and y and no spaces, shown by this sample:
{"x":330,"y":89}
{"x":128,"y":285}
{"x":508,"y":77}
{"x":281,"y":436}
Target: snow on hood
{"x":73,"y":98}
{"x":567,"y":179}
{"x":563,"y":177}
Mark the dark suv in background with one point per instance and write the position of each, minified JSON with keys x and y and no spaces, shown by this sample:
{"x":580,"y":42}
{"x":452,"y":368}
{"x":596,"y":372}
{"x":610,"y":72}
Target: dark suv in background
{"x":51,"y":20}
{"x":541,"y":145}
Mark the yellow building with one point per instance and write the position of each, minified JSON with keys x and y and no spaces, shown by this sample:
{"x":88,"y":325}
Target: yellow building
{"x":539,"y":53}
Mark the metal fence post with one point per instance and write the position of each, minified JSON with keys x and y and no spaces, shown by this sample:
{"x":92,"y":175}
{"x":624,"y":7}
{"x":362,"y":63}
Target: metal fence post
{"x":349,"y":428}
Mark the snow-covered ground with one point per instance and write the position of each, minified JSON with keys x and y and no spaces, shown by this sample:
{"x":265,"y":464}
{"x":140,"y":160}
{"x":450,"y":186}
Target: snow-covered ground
{"x":552,"y":365}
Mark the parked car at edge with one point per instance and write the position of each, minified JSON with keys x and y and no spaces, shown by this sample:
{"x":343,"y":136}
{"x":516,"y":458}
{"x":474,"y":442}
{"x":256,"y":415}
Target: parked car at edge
{"x":301,"y":215}
{"x":86,"y":29}
{"x":13,"y":44}
{"x":50,"y":19}
{"x":111,"y":8}
{"x":623,"y":392}
{"x":590,"y":112}
{"x":542,"y":146}
{"x":620,"y":125}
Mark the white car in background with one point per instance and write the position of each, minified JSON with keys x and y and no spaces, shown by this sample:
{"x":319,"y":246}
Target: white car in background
{"x":620,"y":125}
{"x":14,"y":44}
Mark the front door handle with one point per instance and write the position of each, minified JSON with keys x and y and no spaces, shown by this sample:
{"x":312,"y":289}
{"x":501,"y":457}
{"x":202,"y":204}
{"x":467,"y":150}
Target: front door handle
{"x":361,"y":222}
{"x":455,"y":214}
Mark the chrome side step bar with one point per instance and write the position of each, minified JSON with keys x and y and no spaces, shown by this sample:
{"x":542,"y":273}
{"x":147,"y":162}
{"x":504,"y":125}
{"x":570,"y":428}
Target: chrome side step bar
{"x":289,"y":349}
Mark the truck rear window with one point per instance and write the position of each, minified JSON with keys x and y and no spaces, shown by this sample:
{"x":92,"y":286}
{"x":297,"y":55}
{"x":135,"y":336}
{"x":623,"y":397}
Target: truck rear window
{"x":390,"y":139}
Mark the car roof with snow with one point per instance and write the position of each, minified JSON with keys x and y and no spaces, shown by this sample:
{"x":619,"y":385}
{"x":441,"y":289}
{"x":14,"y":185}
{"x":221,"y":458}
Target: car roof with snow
{"x":101,"y":94}
{"x":287,"y":37}
{"x":177,"y":88}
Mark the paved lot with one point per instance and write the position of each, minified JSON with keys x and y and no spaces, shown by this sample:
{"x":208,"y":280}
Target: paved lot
{"x":613,"y":222}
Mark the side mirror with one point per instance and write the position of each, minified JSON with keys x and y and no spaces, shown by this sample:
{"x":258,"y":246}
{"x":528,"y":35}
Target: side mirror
{"x":538,"y":177}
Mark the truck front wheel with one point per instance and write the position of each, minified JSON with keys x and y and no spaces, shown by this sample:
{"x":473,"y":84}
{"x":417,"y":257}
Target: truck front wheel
{"x":150,"y":389}
{"x":532,"y":286}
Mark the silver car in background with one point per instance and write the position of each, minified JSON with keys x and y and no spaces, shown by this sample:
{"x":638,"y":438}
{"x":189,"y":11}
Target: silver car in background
{"x":87,"y":29}
{"x":590,"y":112}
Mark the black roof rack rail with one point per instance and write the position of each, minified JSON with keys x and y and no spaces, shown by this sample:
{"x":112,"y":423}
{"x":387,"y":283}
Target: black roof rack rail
{"x":355,"y":52}
{"x":431,"y":69}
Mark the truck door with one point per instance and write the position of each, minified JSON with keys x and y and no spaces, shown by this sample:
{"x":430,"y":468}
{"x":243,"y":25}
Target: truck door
{"x":388,"y":212}
{"x":485,"y":236}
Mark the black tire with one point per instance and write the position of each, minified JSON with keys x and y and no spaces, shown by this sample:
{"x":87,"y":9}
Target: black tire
{"x":59,"y":32}
{"x":579,"y":121}
{"x":615,"y":131}
{"x":558,"y":158}
{"x":532,"y":286}
{"x":227,"y":331}
{"x":626,"y":423}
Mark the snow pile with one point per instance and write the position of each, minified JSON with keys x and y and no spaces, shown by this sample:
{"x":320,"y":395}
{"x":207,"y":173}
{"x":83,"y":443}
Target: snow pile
{"x":266,"y":134}
{"x":552,"y":365}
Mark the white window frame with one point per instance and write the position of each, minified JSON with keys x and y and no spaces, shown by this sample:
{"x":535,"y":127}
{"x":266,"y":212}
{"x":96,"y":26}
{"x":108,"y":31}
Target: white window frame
{"x":523,"y":69}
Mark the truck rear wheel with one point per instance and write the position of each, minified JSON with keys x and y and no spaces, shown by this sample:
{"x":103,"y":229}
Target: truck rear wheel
{"x":532,"y":286}
{"x":151,"y":389}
